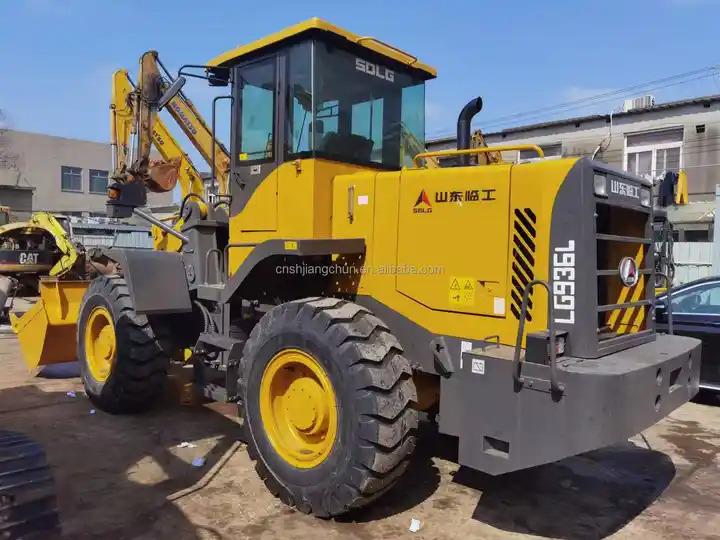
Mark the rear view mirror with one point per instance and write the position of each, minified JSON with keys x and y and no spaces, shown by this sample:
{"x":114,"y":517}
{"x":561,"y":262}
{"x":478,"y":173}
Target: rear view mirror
{"x":171,"y":92}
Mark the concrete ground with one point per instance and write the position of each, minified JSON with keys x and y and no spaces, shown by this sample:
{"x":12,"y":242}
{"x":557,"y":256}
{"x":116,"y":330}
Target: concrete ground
{"x":125,"y":477}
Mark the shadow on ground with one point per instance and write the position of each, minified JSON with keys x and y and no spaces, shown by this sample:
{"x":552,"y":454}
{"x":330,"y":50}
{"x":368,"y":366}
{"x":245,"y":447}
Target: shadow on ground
{"x":417,"y":484}
{"x":588,"y":496}
{"x":113,"y":474}
{"x":64,"y":370}
{"x":708,"y":397}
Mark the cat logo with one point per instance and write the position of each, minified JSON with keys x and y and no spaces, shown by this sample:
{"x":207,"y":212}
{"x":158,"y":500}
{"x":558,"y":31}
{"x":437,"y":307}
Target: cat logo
{"x":29,"y":258}
{"x":422,"y":205}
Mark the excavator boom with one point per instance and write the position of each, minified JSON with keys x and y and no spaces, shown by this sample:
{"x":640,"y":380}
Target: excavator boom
{"x":135,"y":126}
{"x":200,"y":135}
{"x":167,"y":146}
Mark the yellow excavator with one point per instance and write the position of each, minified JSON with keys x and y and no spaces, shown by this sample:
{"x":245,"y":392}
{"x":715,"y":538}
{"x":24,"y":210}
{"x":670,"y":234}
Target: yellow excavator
{"x":42,"y":250}
{"x":344,"y":284}
{"x":176,"y":165}
{"x":54,"y":316}
{"x":42,"y":245}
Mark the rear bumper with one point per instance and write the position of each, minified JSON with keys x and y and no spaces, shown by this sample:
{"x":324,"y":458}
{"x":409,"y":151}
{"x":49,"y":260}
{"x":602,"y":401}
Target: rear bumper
{"x":606,"y":401}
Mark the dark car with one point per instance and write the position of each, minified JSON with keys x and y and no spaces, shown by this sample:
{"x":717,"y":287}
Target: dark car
{"x":696,"y":313}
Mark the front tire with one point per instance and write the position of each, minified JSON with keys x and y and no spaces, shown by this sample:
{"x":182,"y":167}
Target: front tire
{"x":123,"y":357}
{"x":327,"y":398}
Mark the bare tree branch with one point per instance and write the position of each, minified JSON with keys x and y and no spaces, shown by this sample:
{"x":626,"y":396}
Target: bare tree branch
{"x":8,"y":158}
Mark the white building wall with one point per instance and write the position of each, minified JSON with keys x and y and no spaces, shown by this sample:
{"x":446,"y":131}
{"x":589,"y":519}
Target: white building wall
{"x":37,"y":162}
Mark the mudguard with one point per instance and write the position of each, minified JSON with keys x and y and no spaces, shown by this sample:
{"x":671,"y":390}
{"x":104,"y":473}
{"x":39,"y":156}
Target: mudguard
{"x":156,"y":279}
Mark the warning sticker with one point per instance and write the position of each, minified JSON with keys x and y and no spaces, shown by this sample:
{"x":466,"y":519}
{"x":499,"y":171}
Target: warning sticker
{"x":478,"y":366}
{"x":461,"y":291}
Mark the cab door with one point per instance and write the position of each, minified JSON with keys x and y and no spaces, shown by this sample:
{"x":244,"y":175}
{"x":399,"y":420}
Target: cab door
{"x":255,"y":145}
{"x":453,"y":238}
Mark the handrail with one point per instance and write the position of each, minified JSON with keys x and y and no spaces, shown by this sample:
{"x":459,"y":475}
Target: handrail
{"x":413,"y":59}
{"x":223,"y":189}
{"x":668,"y":295}
{"x":482,"y":150}
{"x":220,"y":265}
{"x":555,"y":386}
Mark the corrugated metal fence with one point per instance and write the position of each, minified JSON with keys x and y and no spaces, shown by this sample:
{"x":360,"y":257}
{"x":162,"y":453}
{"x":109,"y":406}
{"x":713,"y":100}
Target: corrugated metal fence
{"x":128,"y":239}
{"x":111,"y":234}
{"x":693,"y":260}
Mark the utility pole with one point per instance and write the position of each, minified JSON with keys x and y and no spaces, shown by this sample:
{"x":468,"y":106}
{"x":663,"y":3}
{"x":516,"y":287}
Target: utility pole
{"x":716,"y":233}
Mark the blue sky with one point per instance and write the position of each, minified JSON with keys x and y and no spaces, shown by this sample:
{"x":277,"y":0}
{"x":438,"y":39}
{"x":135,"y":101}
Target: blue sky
{"x":56,"y":56}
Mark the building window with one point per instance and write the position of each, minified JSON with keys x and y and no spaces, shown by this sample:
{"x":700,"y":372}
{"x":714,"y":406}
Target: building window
{"x":70,"y":178}
{"x":697,"y":235}
{"x":98,"y":181}
{"x":653,"y":154}
{"x":550,"y":150}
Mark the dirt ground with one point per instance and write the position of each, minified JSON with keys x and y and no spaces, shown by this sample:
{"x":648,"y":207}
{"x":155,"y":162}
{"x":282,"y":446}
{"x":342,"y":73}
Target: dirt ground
{"x":125,"y":477}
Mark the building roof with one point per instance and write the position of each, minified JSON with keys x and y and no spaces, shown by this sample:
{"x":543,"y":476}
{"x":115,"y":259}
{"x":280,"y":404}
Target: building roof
{"x":16,"y":187}
{"x":694,"y":212}
{"x":703,"y":100}
{"x":317,"y":24}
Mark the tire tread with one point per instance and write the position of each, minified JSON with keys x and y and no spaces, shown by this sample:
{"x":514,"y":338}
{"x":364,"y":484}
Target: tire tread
{"x":385,"y":393}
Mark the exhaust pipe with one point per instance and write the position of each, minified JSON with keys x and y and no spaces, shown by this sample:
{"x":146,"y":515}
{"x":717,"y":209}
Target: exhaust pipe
{"x":463,"y":126}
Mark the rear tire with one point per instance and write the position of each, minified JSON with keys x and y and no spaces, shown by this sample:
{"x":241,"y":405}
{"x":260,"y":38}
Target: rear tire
{"x":373,"y":389}
{"x":133,"y":379}
{"x":28,"y":507}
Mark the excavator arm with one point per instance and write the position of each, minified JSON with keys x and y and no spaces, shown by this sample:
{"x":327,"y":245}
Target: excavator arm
{"x":487,"y":158}
{"x":69,"y":253}
{"x":411,"y":147}
{"x":200,"y":135}
{"x":122,"y":125}
{"x":46,"y":224}
{"x":136,"y":126}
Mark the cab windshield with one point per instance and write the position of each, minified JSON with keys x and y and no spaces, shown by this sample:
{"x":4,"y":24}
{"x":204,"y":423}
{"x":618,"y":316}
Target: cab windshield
{"x":352,"y":109}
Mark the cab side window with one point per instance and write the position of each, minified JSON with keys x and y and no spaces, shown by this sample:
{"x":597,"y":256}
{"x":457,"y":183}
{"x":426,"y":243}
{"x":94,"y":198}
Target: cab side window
{"x":257,"y":111}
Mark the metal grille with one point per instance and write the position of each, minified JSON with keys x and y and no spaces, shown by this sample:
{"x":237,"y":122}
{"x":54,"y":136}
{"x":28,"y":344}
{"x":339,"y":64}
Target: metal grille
{"x":523,"y":261}
{"x":622,"y":232}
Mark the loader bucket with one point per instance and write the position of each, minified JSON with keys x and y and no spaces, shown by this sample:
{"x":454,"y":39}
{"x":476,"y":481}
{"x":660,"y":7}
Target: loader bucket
{"x":47,"y":331}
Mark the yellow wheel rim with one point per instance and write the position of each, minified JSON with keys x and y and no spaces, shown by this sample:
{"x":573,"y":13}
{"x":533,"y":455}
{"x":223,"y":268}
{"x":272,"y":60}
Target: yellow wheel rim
{"x":298,"y":409}
{"x":100,"y":343}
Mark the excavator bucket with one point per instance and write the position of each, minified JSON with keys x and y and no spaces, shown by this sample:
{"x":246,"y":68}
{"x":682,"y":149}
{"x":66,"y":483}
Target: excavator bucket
{"x":47,"y":331}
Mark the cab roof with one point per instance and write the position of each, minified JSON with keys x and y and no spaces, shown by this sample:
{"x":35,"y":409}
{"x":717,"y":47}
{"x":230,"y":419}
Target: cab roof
{"x":318,"y":25}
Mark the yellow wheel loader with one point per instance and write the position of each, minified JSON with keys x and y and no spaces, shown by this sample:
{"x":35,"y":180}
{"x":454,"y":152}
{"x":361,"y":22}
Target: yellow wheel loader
{"x":345,"y":284}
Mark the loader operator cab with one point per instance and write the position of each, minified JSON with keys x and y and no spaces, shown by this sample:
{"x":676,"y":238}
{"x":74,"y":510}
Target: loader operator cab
{"x":314,"y":92}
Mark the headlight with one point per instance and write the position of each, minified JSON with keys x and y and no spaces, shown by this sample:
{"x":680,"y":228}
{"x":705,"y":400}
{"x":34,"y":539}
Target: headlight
{"x":645,"y":198}
{"x":600,"y":182}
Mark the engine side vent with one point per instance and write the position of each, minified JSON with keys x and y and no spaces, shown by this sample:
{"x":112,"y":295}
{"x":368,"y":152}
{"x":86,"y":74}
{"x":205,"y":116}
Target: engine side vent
{"x":523,"y":259}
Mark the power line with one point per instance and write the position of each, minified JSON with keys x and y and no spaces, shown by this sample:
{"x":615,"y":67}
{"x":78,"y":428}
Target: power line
{"x":614,"y":94}
{"x":658,"y":84}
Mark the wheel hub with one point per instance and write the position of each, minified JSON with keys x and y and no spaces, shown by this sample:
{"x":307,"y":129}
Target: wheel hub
{"x":100,"y":343}
{"x":307,"y":406}
{"x":298,"y":409}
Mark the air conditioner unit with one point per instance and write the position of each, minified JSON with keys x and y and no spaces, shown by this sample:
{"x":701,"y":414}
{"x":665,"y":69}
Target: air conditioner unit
{"x":643,"y":102}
